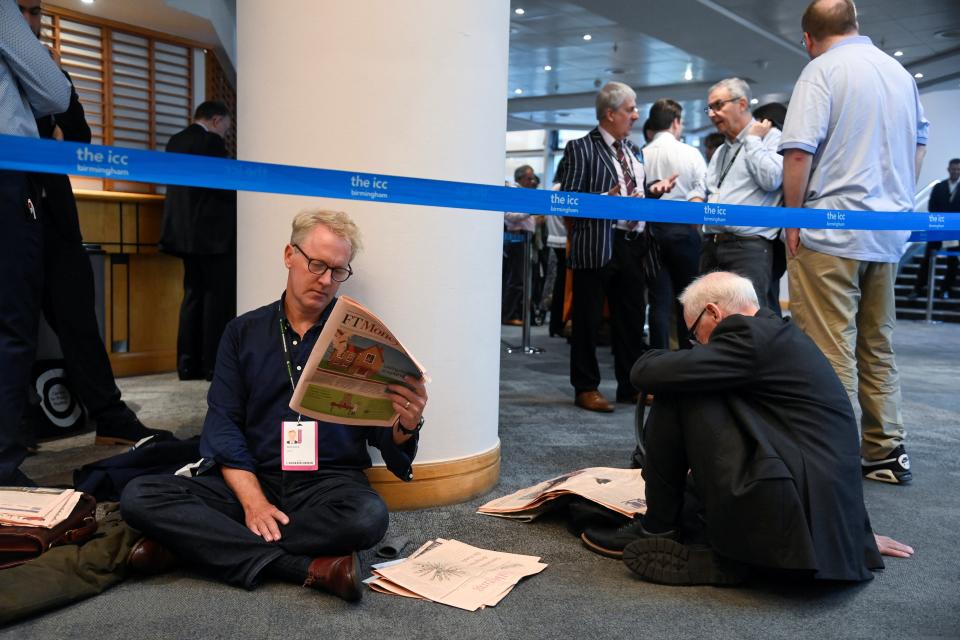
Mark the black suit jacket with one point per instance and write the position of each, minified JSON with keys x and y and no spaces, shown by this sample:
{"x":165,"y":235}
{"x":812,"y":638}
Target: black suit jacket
{"x":197,"y":220}
{"x":590,"y":169}
{"x":773,"y":447}
{"x":940,"y":199}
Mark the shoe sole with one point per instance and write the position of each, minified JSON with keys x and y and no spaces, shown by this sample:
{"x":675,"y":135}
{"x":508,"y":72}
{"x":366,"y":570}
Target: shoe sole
{"x":355,"y":592}
{"x":597,"y":409}
{"x":603,"y":551}
{"x":663,"y":561}
{"x":888,"y":476}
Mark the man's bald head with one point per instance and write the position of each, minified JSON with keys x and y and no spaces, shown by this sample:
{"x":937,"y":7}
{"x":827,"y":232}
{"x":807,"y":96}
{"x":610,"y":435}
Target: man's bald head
{"x":825,"y":18}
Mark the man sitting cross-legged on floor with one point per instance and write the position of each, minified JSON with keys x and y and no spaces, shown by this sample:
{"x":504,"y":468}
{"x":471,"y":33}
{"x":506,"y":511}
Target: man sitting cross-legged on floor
{"x":757,"y":416}
{"x":249,"y":520}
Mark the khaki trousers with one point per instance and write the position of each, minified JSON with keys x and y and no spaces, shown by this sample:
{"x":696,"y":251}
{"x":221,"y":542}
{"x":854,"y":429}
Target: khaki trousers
{"x":847,"y":308}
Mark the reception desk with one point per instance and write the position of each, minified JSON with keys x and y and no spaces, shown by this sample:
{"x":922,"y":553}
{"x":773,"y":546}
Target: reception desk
{"x":142,"y":288}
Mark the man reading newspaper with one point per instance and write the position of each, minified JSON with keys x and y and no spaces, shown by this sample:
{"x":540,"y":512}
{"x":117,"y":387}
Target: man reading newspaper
{"x":288,"y":498}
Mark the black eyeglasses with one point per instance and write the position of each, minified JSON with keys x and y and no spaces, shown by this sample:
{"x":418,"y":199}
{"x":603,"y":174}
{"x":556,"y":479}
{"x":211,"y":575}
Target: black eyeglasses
{"x":692,"y":333}
{"x":716,"y":106}
{"x":319,"y":267}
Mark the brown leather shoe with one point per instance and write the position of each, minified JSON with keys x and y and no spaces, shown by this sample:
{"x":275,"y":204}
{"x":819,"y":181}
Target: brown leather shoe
{"x":339,"y":575}
{"x":149,"y":558}
{"x":593,"y":401}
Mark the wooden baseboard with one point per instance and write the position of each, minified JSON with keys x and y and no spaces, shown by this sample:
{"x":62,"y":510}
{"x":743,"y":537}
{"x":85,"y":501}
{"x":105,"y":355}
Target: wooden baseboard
{"x":438,"y":483}
{"x":143,"y":363}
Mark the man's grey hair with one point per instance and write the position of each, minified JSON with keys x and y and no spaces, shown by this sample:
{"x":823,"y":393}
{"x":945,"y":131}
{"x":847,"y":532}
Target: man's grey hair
{"x":738,"y":88}
{"x":731,"y":292}
{"x":337,"y":222}
{"x":612,"y":96}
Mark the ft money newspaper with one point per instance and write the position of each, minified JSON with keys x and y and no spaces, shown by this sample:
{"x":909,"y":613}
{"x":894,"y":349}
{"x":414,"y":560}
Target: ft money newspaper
{"x":347,"y":374}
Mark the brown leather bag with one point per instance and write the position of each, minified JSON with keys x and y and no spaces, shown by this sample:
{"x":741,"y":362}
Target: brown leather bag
{"x":19,"y":544}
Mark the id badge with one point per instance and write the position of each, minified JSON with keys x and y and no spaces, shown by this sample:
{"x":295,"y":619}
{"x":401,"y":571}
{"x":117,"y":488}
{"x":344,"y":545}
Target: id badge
{"x":298,"y":445}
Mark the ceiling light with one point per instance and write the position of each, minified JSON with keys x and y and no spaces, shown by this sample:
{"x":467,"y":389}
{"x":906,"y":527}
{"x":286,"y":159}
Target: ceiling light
{"x":547,"y":67}
{"x":587,"y":36}
{"x":688,"y":74}
{"x":754,"y":101}
{"x":897,"y":53}
{"x":87,"y":1}
{"x":519,"y":11}
{"x":918,"y":75}
{"x":518,"y":91}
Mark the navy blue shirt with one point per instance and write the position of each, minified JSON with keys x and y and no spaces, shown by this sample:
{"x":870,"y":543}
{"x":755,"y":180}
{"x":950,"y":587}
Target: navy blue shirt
{"x":250,"y":396}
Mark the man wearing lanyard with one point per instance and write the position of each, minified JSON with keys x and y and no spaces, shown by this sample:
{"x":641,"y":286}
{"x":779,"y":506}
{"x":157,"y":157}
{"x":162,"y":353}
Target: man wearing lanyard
{"x":252,"y":520}
{"x":746,"y":169}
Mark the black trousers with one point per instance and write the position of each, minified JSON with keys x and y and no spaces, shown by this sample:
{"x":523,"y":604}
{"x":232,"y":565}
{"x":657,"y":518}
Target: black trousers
{"x":751,"y":258}
{"x":924,"y":273}
{"x":21,"y":277}
{"x":332,"y":512}
{"x":512,"y":278}
{"x":680,"y":264}
{"x":209,"y":303}
{"x":559,"y":289}
{"x":69,"y":298}
{"x":621,"y":282}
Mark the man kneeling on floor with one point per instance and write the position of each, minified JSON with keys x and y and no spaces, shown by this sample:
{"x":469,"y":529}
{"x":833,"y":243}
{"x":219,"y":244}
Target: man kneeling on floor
{"x":757,"y":416}
{"x":248,"y":520}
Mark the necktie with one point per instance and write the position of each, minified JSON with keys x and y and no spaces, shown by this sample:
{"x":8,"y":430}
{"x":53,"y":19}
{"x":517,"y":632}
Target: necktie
{"x":628,"y":180}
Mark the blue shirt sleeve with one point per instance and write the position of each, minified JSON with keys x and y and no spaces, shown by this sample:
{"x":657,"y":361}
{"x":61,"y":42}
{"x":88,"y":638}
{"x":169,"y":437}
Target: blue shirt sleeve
{"x":46,"y":88}
{"x":223,"y":439}
{"x":806,"y":124}
{"x":398,"y":458}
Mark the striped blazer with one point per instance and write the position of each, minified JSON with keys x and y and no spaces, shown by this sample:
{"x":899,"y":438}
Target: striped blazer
{"x":590,"y":169}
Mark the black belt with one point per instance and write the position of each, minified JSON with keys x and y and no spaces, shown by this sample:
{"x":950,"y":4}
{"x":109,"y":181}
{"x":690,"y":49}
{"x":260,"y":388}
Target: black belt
{"x":717,"y":238}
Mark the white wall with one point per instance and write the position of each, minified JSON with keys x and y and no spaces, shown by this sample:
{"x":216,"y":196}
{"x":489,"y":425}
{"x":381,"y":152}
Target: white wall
{"x":942,"y":109}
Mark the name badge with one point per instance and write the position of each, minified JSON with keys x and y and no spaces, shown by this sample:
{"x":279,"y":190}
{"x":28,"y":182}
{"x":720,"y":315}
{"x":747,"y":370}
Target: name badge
{"x":298,"y":445}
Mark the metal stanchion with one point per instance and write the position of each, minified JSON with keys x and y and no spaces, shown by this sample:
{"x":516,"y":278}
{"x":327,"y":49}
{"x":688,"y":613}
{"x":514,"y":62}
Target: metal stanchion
{"x":930,"y":278}
{"x":524,"y":346}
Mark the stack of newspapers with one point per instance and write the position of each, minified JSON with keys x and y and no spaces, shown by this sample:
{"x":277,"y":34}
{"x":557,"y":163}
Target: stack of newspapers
{"x":455,"y":574}
{"x":620,"y":490}
{"x":36,"y":506}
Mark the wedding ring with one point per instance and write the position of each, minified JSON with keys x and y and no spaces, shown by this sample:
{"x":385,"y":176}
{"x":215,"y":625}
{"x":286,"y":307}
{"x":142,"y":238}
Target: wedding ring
{"x":407,"y":406}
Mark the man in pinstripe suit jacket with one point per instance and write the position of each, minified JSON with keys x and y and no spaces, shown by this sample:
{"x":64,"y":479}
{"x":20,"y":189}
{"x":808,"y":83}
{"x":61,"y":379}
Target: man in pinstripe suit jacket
{"x":605,"y":255}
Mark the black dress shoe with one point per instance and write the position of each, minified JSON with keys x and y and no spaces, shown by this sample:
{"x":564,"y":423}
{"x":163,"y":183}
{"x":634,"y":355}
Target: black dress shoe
{"x":666,"y":561}
{"x":125,"y":428}
{"x":611,"y":542}
{"x":583,"y":514}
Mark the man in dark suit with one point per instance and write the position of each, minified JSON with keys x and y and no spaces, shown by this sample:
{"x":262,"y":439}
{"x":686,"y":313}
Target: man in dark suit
{"x":606,"y":255}
{"x":761,"y":421}
{"x":945,"y":197}
{"x":68,"y":286}
{"x":200,"y":226}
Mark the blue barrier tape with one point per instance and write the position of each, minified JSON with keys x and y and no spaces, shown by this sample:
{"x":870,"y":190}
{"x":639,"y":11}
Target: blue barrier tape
{"x":118,"y":163}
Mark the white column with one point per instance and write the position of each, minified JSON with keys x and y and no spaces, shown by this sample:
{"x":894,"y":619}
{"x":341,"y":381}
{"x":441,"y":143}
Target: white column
{"x":414,"y":88}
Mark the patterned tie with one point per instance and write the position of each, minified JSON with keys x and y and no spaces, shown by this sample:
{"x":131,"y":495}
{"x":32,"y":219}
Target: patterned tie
{"x":629,"y":181}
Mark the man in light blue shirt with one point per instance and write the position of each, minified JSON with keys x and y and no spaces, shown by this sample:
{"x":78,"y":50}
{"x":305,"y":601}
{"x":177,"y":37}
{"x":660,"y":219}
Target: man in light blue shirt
{"x":31,"y":85}
{"x":747,"y":170}
{"x":853,"y":139}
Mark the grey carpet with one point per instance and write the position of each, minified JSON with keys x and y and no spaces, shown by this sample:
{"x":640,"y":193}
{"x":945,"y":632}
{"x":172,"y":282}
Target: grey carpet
{"x":579,"y":594}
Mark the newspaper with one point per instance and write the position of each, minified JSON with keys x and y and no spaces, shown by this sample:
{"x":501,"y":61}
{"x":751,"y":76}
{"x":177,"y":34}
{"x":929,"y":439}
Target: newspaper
{"x":454,"y":573}
{"x":621,"y":490}
{"x":346,"y":377}
{"x":36,"y":506}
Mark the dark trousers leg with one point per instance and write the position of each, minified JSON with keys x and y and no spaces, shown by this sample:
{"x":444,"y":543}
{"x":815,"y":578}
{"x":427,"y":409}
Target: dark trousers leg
{"x":21,"y":266}
{"x":587,"y":316}
{"x":924,"y":272}
{"x":190,"y":331}
{"x":219,"y":303}
{"x":202,"y":522}
{"x":559,"y":288}
{"x":950,"y":278}
{"x":624,"y":284}
{"x":68,"y":305}
{"x":751,"y":258}
{"x":666,"y":465}
{"x":513,"y":281}
{"x":680,"y":258}
{"x":778,"y":268}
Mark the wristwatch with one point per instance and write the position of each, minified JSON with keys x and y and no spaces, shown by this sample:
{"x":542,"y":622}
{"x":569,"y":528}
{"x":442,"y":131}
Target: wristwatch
{"x":410,"y":432}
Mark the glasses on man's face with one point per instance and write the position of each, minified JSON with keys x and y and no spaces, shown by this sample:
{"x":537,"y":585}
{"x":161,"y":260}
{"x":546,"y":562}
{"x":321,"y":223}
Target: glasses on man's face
{"x":692,"y":333}
{"x":716,"y":106}
{"x":319,"y":267}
